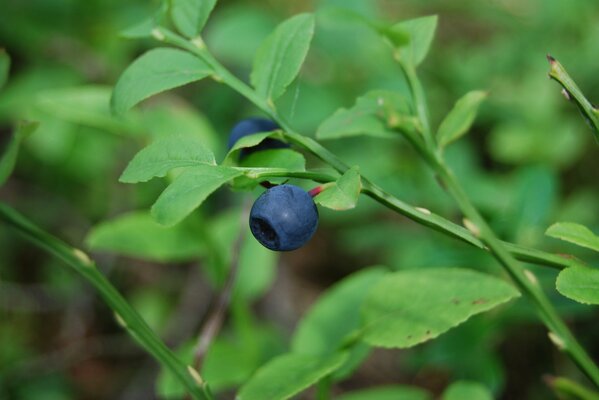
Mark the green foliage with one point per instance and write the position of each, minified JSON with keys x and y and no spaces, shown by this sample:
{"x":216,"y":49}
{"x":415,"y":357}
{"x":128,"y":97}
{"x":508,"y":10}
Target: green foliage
{"x":411,"y":307}
{"x":4,"y":67}
{"x":85,"y":105}
{"x":343,"y":193}
{"x":287,"y":159}
{"x":189,"y":190}
{"x":246,"y":142}
{"x":9,"y":158}
{"x":281,"y":55}
{"x":68,"y":168}
{"x":287,"y":375}
{"x":138,"y":235}
{"x":421,"y":32}
{"x":163,"y":155}
{"x":467,"y":390}
{"x":460,"y":118}
{"x":333,"y":318}
{"x":388,"y":393}
{"x":154,"y":72}
{"x":580,"y":284}
{"x":190,"y":16}
{"x":371,"y":115}
{"x":574,"y":233}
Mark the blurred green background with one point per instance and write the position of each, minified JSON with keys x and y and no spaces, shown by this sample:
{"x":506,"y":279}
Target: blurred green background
{"x":529,"y":161}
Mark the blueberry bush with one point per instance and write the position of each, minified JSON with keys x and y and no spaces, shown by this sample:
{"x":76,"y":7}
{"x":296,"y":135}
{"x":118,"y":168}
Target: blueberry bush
{"x":320,"y":200}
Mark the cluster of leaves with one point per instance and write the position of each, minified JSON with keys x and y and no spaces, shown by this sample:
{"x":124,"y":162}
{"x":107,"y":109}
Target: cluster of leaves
{"x":376,"y":307}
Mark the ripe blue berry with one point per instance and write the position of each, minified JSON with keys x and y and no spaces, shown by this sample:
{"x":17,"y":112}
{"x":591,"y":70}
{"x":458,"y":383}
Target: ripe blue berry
{"x":284,"y":218}
{"x":254,"y":125}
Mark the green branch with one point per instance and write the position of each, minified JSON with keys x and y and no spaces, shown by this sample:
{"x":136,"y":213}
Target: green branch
{"x":573,"y":92}
{"x":559,"y":333}
{"x":124,"y":313}
{"x":419,"y":215}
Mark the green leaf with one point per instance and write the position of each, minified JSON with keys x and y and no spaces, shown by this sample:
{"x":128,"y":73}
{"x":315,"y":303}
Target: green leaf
{"x":342,"y":194}
{"x":287,"y":375}
{"x":154,"y":72}
{"x":84,"y":105}
{"x":280,"y":56}
{"x":396,"y":36}
{"x":9,"y":158}
{"x":460,"y":118}
{"x":190,"y":16}
{"x":143,"y":29}
{"x":189,"y":190}
{"x":413,"y":306}
{"x":395,"y":392}
{"x":467,"y":390}
{"x":276,"y":158}
{"x":374,"y":114}
{"x":335,"y":316}
{"x":580,"y":284}
{"x":4,"y":67}
{"x":574,"y":233}
{"x":256,"y":269}
{"x":138,"y":235}
{"x":421,"y":31}
{"x":165,"y":154}
{"x":248,"y":141}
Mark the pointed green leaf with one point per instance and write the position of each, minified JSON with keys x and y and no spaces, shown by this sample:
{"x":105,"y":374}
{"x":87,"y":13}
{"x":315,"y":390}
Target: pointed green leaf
{"x":165,"y":154}
{"x":333,"y":317}
{"x":374,"y":114}
{"x":574,"y":233}
{"x":413,"y":306}
{"x":580,"y":284}
{"x":143,"y":29}
{"x":342,"y":194}
{"x":248,"y":141}
{"x":190,"y":16}
{"x":9,"y":158}
{"x":189,"y":190}
{"x":460,"y":118}
{"x":461,"y":390}
{"x":395,"y":392}
{"x":281,"y":55}
{"x":421,"y":31}
{"x":154,"y":72}
{"x":4,"y":67}
{"x":287,"y":375}
{"x":138,"y":235}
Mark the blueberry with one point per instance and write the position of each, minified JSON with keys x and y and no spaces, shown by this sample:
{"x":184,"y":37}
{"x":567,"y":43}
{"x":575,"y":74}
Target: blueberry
{"x":255,"y":125}
{"x":284,"y":218}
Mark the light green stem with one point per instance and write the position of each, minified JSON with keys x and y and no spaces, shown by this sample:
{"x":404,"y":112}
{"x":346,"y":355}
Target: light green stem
{"x":419,"y":215}
{"x":559,"y":333}
{"x":124,"y":313}
{"x":573,"y":92}
{"x":483,"y":238}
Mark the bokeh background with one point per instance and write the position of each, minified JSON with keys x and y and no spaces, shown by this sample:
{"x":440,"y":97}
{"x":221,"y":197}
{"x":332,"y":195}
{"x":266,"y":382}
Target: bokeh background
{"x":529,"y":161}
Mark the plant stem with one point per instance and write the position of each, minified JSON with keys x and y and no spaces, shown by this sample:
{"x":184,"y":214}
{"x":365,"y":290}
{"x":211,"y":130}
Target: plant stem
{"x":572,"y":92}
{"x":483,"y":238}
{"x":419,"y":215}
{"x":559,"y":333}
{"x":124,"y":313}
